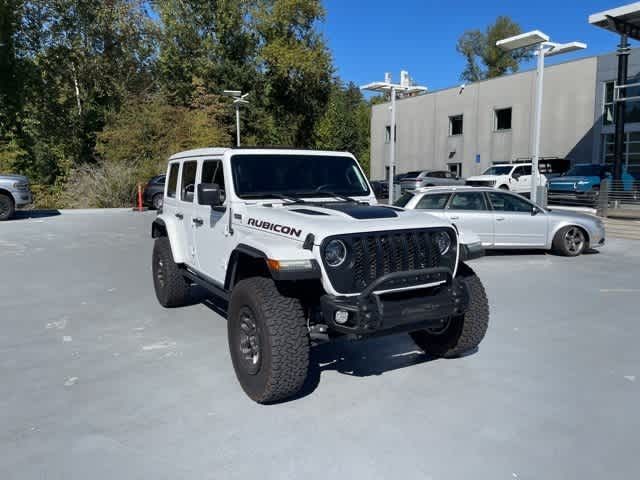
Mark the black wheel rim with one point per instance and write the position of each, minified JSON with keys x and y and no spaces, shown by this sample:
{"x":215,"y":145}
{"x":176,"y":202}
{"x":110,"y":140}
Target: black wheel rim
{"x":160,"y":272}
{"x":248,"y":342}
{"x":574,"y":240}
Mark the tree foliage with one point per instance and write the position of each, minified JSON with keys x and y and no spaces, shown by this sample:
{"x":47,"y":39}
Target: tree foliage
{"x":485,"y":60}
{"x":117,"y":85}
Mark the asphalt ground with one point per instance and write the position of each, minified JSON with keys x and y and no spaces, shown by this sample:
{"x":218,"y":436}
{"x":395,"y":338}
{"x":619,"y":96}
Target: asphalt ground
{"x":98,"y":381}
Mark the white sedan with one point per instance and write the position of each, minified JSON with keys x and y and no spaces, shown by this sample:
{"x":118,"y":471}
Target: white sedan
{"x":505,"y":220}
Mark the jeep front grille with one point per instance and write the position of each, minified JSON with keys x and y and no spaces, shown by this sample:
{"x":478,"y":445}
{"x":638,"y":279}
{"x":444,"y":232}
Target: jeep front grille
{"x":375,"y":254}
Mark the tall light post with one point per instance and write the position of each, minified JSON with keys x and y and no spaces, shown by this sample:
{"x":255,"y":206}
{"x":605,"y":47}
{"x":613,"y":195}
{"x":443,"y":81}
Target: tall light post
{"x":544,"y":48}
{"x":238,"y":99}
{"x":405,"y":87}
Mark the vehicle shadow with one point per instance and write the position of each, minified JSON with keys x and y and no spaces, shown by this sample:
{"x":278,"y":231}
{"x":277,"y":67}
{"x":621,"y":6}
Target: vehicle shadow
{"x":30,"y":214}
{"x":362,"y":358}
{"x":531,"y":252}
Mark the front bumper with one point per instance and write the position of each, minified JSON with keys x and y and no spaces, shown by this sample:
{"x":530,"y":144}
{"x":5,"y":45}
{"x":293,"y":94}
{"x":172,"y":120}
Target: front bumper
{"x":572,"y":196}
{"x":400,"y":301}
{"x":22,"y":198}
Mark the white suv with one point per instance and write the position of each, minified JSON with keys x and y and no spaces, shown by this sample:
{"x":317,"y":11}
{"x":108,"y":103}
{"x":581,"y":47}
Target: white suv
{"x":508,"y":176}
{"x":294,"y":244}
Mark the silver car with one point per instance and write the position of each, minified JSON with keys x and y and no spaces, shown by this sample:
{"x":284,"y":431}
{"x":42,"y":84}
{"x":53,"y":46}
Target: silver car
{"x":429,"y":178}
{"x":14,"y":193}
{"x":504,"y":220}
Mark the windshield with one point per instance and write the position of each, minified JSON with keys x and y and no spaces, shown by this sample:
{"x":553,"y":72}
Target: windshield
{"x":504,"y":170}
{"x":270,"y":176}
{"x":403,"y":200}
{"x":585,"y":171}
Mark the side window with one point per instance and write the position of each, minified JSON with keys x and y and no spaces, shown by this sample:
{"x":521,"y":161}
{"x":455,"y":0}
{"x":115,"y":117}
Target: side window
{"x":187,"y":185}
{"x":504,"y":202}
{"x":436,"y":201}
{"x":468,"y":201}
{"x":436,"y":174}
{"x":173,"y":180}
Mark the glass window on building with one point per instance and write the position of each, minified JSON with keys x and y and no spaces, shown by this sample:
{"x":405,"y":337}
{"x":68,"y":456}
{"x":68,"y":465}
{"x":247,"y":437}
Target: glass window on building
{"x":503,"y":119}
{"x":455,"y":125}
{"x":387,"y":134}
{"x":631,"y":151}
{"x":632,"y":112}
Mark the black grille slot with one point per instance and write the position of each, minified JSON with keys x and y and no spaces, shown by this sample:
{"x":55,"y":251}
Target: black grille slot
{"x":380,"y":253}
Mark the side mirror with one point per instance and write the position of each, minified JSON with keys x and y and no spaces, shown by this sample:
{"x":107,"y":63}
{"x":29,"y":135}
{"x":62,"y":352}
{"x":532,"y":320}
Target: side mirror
{"x":210,"y":194}
{"x":516,"y":176}
{"x":534,"y":211}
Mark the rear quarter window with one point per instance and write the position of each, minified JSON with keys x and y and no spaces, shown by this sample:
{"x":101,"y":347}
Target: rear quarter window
{"x":173,"y":180}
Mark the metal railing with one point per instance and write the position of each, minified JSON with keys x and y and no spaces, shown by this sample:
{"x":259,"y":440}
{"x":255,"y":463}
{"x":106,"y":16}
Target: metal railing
{"x":619,"y":198}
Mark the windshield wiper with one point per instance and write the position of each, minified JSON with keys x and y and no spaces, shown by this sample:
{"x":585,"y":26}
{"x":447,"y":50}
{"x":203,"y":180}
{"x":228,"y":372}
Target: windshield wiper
{"x":335,"y":195}
{"x":267,"y":195}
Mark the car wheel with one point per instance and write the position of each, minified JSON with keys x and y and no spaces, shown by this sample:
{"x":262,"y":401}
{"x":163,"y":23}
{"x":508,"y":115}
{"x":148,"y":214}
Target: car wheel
{"x":463,"y":333}
{"x":172,"y":288}
{"x":7,"y":207}
{"x":503,"y":187}
{"x":268,"y":340}
{"x":570,"y":241}
{"x":156,"y":201}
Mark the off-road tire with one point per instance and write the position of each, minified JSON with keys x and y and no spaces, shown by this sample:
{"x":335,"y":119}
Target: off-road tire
{"x":172,"y":288}
{"x":7,"y":207}
{"x":560,"y":247}
{"x":282,"y":335}
{"x":464,"y":332}
{"x":157,"y":200}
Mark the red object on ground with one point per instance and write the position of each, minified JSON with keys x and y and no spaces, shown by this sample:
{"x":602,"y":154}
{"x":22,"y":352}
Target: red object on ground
{"x":139,"y":197}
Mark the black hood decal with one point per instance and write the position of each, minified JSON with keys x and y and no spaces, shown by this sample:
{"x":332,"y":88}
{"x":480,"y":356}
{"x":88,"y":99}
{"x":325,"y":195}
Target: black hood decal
{"x":362,"y":212}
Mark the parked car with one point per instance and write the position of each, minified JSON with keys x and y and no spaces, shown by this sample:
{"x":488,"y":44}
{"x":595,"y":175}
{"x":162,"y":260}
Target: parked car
{"x":296,"y":258}
{"x":504,"y":220}
{"x":380,"y":188}
{"x":582,"y":184}
{"x":507,"y":176}
{"x":14,"y":193}
{"x":429,"y":178}
{"x":154,"y":192}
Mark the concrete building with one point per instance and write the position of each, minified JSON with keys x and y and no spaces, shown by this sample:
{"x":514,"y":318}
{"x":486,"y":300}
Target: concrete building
{"x":467,"y":129}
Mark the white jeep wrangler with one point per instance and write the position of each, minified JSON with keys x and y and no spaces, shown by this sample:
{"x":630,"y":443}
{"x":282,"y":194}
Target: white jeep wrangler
{"x":295,"y":246}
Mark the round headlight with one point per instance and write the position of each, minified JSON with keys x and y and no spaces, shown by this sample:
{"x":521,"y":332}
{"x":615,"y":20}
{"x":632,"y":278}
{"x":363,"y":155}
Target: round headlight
{"x":443,"y":241}
{"x":335,"y":253}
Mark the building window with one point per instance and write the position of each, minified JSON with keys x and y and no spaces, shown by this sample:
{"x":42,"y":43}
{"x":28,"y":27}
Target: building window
{"x":503,"y":119}
{"x":607,"y":117}
{"x":455,"y":169}
{"x":387,"y":134}
{"x":632,"y":107}
{"x":631,"y":151}
{"x":455,"y":125}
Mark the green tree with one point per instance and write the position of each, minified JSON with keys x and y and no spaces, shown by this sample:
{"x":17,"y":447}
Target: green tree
{"x":485,"y":60}
{"x":296,"y":66}
{"x":345,"y":123}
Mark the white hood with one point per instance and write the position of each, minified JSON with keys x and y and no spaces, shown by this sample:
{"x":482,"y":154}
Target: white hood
{"x":484,"y":178}
{"x":296,"y":221}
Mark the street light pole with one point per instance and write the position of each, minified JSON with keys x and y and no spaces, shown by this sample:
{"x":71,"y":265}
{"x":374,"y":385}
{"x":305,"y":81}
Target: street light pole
{"x":238,"y":99}
{"x":405,"y":86}
{"x":544,"y":48}
{"x":392,"y":146}
{"x":237,"y":124}
{"x":537,"y":126}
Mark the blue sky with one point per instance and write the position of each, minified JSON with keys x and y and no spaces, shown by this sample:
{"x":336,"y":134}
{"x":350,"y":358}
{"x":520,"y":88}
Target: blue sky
{"x":370,"y":37}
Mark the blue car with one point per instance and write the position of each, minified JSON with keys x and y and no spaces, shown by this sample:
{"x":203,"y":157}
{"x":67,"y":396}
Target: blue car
{"x":582,"y":183}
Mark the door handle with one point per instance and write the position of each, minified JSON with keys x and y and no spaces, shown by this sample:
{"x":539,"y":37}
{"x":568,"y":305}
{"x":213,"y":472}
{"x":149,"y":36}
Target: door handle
{"x":180,"y":216}
{"x":499,"y":219}
{"x":454,"y":218}
{"x":197,"y":221}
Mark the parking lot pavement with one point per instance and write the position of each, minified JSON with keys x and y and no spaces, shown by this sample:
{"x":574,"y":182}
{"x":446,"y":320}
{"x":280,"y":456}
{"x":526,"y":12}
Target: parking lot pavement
{"x":98,"y":381}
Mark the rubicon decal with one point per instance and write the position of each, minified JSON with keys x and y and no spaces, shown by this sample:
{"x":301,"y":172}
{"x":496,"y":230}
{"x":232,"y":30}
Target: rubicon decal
{"x":274,"y":227}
